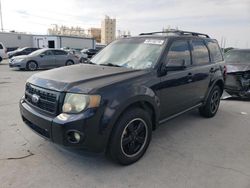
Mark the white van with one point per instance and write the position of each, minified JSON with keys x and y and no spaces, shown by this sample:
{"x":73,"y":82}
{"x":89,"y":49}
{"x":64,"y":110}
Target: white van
{"x":3,"y":52}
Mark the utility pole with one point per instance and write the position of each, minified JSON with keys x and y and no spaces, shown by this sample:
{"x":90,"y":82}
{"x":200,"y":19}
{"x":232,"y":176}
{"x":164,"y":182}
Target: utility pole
{"x":1,"y":15}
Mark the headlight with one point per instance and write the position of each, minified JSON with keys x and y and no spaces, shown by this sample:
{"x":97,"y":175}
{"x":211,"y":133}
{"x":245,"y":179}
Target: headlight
{"x":76,"y":103}
{"x":18,"y":60}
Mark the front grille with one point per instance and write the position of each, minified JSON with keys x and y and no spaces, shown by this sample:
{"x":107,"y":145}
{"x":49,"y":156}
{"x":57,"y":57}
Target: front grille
{"x":47,"y":98}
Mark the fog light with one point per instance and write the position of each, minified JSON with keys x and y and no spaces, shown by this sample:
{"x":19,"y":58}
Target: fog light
{"x":74,"y":137}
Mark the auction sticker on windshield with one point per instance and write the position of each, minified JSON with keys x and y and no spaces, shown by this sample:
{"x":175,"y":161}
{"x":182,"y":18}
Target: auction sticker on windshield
{"x":154,"y":41}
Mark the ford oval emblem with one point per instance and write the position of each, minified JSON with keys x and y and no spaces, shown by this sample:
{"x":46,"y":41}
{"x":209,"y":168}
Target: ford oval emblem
{"x":35,"y":98}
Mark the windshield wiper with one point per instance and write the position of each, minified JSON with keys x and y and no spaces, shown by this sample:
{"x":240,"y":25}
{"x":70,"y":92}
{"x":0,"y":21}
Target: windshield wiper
{"x":110,"y":64}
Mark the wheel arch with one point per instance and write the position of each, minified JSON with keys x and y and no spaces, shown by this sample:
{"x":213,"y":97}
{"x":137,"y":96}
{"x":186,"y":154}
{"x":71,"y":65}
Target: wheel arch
{"x":218,"y":82}
{"x":144,"y":104}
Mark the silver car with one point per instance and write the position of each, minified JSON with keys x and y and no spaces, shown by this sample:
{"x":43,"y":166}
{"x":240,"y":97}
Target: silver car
{"x":43,"y":58}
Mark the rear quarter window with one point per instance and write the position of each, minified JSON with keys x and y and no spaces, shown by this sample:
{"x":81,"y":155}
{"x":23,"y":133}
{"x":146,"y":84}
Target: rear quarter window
{"x":215,"y":51}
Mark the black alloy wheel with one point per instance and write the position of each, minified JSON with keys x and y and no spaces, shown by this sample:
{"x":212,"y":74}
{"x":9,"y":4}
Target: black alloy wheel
{"x":134,"y":137}
{"x":131,"y":136}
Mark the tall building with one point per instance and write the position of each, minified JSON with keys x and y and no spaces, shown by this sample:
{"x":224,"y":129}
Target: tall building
{"x":95,"y":33}
{"x":108,"y":30}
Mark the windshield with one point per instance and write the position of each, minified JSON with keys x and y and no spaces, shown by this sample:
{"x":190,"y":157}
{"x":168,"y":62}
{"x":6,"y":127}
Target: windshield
{"x":237,"y":57}
{"x":135,"y":53}
{"x":37,"y":52}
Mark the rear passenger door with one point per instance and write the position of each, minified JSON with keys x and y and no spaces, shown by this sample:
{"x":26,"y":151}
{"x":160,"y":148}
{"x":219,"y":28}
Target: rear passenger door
{"x":60,"y":57}
{"x":202,"y":68}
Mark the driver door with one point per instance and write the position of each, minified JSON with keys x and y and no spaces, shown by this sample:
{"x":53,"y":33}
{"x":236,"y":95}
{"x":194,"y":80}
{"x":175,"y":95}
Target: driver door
{"x":176,"y":93}
{"x":47,"y":59}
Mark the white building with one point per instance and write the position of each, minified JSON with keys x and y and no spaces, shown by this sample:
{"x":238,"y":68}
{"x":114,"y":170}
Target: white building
{"x":58,"y":41}
{"x":20,"y":40}
{"x":108,"y":30}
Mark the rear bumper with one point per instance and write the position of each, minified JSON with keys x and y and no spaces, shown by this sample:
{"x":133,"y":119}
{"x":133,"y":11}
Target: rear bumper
{"x":56,"y":129}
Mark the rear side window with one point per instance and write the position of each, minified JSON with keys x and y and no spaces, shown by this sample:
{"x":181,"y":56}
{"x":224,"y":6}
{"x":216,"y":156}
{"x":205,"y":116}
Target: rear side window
{"x":179,"y":50}
{"x":59,"y":52}
{"x":215,"y":51}
{"x":200,"y":52}
{"x":1,"y":46}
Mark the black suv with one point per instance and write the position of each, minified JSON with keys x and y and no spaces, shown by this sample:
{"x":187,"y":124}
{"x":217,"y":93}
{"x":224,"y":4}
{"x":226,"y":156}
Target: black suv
{"x":114,"y":102}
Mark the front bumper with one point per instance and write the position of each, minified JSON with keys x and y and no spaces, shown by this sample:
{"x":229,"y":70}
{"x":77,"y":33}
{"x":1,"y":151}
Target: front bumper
{"x":237,"y":85}
{"x":236,"y":92}
{"x":17,"y":65}
{"x":56,"y":129}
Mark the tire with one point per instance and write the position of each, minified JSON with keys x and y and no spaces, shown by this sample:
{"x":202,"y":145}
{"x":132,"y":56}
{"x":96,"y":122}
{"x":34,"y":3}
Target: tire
{"x":130,"y":137}
{"x":69,"y":62}
{"x":212,"y":103}
{"x":31,"y":66}
{"x":1,"y":59}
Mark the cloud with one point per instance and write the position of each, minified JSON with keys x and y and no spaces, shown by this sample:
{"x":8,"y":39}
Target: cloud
{"x":219,"y":18}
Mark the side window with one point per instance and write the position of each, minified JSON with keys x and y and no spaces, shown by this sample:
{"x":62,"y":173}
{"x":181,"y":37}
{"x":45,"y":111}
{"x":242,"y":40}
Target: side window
{"x":215,"y":51}
{"x":48,"y":52}
{"x":179,"y":50}
{"x":29,"y":50}
{"x":59,"y":52}
{"x":200,"y":52}
{"x":1,"y":46}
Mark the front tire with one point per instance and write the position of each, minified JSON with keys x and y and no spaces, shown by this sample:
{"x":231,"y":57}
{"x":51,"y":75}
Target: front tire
{"x":31,"y":66}
{"x":211,"y":106}
{"x":131,"y":137}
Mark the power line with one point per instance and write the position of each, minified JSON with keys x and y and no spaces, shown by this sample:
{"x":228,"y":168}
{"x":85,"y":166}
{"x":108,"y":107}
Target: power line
{"x":1,"y":15}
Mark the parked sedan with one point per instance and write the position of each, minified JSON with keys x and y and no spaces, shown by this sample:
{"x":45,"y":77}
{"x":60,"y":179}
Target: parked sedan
{"x":238,"y":73}
{"x":43,"y":58}
{"x":21,"y":51}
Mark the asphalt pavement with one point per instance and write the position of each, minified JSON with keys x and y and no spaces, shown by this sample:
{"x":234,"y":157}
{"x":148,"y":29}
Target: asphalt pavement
{"x":187,"y":152}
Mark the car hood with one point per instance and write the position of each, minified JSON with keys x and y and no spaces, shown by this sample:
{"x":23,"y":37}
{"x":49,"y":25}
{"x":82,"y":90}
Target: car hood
{"x":19,"y":57}
{"x":81,"y":78}
{"x":239,"y":67}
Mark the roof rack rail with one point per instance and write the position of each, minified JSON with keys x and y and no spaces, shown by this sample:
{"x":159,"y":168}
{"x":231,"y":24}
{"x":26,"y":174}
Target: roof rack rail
{"x":179,"y":32}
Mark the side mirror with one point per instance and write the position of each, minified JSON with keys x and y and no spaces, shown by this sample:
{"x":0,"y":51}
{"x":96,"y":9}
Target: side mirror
{"x":42,"y":55}
{"x":175,"y":64}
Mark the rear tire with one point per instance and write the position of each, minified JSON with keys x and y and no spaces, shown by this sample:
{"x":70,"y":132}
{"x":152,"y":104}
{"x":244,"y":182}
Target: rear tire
{"x":31,"y":66}
{"x":212,"y":103}
{"x":130,"y":137}
{"x":69,"y":62}
{"x":1,"y":59}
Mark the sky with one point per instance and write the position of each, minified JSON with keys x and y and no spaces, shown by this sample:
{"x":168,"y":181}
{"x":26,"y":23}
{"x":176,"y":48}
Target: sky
{"x":221,"y":19}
